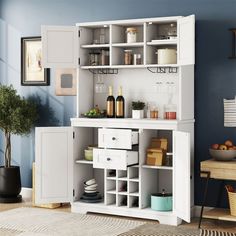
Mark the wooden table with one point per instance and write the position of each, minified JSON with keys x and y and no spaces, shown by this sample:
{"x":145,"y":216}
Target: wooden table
{"x":222,"y":170}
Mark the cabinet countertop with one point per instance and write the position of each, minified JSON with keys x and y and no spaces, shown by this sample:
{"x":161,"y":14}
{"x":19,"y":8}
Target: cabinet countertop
{"x":129,"y":123}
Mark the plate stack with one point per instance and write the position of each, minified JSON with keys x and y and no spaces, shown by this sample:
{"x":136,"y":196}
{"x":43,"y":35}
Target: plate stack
{"x":91,"y":195}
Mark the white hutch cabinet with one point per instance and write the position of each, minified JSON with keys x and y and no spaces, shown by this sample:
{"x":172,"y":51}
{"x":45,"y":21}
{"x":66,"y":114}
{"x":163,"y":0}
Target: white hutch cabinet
{"x":60,"y":166}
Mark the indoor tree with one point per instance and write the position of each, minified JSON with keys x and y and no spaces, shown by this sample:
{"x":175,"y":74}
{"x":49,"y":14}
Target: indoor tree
{"x":17,"y":116}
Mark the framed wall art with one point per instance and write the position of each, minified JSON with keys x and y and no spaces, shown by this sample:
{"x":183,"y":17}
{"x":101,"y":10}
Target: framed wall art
{"x":66,"y":82}
{"x":32,"y":72}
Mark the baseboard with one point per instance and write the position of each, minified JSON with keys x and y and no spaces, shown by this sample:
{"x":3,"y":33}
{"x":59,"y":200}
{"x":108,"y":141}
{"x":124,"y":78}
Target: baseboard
{"x":197,"y":210}
{"x":26,"y":193}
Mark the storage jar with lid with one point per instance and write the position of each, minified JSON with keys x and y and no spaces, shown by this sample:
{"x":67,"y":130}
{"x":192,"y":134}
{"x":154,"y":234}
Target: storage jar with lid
{"x":104,"y":57}
{"x":131,"y":35}
{"x":166,"y":56}
{"x":128,"y":57}
{"x":161,"y":201}
{"x":94,"y":58}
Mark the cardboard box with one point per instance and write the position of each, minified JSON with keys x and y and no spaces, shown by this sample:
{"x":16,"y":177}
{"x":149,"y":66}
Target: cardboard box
{"x":156,"y":156}
{"x":159,"y":143}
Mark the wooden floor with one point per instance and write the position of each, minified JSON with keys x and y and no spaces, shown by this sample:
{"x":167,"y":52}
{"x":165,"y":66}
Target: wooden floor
{"x":206,"y":223}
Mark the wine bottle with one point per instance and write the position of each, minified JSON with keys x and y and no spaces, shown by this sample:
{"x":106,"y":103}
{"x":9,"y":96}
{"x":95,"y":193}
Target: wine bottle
{"x":120,"y":105}
{"x":110,"y":104}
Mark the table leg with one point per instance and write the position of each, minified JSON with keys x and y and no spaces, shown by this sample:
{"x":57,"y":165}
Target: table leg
{"x":205,"y":195}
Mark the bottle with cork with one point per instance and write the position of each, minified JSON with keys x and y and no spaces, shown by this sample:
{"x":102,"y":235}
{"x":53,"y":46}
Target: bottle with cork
{"x":110,"y":104}
{"x":120,"y":104}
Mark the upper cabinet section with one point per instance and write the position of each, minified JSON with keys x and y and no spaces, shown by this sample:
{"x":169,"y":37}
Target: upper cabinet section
{"x":60,"y":46}
{"x":150,"y":42}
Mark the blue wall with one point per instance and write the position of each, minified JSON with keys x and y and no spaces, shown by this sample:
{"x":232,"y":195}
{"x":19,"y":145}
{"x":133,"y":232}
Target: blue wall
{"x":215,"y":76}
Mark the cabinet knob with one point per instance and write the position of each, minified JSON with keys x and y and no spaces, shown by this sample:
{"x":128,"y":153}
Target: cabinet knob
{"x":113,"y":138}
{"x":108,"y":159}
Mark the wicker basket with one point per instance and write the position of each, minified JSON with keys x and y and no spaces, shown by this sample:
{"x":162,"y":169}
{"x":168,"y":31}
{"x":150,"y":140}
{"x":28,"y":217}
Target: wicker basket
{"x":232,"y":200}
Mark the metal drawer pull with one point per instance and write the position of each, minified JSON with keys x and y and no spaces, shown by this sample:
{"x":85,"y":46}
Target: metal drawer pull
{"x":113,"y":138}
{"x":108,"y":158}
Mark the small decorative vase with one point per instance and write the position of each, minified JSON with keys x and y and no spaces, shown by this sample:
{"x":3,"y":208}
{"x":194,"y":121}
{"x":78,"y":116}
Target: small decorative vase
{"x":137,"y":114}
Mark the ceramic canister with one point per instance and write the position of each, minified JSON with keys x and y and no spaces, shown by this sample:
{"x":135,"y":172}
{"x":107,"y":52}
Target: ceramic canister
{"x":161,"y":202}
{"x":166,"y":56}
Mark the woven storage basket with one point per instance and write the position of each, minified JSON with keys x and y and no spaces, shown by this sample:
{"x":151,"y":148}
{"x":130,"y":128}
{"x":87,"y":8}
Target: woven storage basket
{"x":232,"y":202}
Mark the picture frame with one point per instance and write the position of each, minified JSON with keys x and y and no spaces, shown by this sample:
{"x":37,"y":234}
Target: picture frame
{"x":32,"y":72}
{"x":65,"y":82}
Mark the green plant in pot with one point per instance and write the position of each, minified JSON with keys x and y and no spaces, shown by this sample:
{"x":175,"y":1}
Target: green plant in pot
{"x":138,"y":109}
{"x":17,"y":116}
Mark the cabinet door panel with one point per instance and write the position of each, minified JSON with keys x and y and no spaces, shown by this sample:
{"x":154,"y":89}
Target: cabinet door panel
{"x":182,"y":174}
{"x":53,"y":165}
{"x":59,"y":46}
{"x":186,"y":44}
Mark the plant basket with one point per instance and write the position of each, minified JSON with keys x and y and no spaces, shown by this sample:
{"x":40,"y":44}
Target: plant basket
{"x":232,"y":199}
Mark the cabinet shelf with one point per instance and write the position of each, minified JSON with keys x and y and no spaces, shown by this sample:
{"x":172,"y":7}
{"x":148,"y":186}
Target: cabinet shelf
{"x":158,"y":167}
{"x":111,"y":191}
{"x":95,"y":46}
{"x":122,"y":193}
{"x":162,"y":42}
{"x":134,"y":194}
{"x":134,"y":179}
{"x":128,"y":45}
{"x":84,"y":162}
{"x":111,"y":178}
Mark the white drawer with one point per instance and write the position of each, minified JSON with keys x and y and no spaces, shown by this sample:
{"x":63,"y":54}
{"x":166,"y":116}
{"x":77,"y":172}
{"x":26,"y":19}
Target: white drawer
{"x":114,"y":159}
{"x":117,"y":138}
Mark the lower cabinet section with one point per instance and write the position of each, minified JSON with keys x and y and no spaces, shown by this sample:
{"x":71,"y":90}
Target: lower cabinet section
{"x":122,"y":180}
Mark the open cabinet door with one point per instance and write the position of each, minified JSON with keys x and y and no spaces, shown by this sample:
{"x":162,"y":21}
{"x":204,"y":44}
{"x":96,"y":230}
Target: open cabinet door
{"x":181,"y":149}
{"x":186,"y":43}
{"x":53,"y":165}
{"x":59,"y":46}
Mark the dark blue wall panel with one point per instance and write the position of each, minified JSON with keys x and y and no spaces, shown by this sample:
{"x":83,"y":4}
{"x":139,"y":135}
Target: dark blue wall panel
{"x":215,"y":74}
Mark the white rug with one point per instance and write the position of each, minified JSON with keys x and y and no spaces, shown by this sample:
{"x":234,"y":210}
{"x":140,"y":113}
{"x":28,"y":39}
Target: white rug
{"x":43,"y":222}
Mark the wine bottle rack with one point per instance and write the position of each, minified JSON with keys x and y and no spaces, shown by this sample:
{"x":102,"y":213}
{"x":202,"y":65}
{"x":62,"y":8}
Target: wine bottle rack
{"x":122,"y":187}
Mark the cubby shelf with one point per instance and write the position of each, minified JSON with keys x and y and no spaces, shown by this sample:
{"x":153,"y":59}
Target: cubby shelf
{"x":84,"y":162}
{"x":134,"y":194}
{"x":162,"y":42}
{"x":126,"y":45}
{"x":158,"y":167}
{"x":89,"y":46}
{"x":134,"y":179}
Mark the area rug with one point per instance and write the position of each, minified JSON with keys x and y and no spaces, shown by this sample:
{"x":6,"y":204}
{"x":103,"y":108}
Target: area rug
{"x":206,"y":232}
{"x":152,"y":229}
{"x":43,"y":222}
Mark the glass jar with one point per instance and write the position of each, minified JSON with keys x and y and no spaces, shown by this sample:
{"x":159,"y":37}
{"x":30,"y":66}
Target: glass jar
{"x":94,"y":58}
{"x":104,"y":57}
{"x":131,"y":35}
{"x":137,"y":59}
{"x":170,"y":111}
{"x":128,"y":57}
{"x":172,"y":31}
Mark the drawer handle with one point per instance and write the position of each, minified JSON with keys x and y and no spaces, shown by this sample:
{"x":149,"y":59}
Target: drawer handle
{"x":108,"y":159}
{"x":113,"y":138}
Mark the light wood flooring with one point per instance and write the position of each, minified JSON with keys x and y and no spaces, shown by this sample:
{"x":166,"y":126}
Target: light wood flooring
{"x":206,"y":223}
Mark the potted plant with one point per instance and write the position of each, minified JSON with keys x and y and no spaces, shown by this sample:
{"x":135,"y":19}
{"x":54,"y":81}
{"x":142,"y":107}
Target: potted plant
{"x":138,"y":110}
{"x":17,"y":116}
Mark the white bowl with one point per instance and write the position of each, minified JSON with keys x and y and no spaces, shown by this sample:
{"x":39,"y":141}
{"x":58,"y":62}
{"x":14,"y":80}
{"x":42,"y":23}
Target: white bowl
{"x":90,"y":182}
{"x":222,"y":155}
